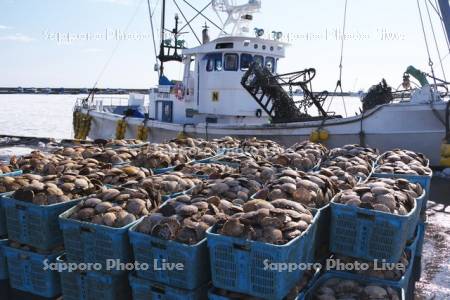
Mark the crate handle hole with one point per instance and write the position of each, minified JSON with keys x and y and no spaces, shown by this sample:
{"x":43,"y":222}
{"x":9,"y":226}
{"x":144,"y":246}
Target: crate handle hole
{"x":242,"y":247}
{"x":158,"y":245}
{"x":21,"y":207}
{"x":158,"y":289}
{"x":365,"y":216}
{"x":87,"y":229}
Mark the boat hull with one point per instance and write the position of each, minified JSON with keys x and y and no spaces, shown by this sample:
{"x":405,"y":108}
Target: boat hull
{"x":416,"y":127}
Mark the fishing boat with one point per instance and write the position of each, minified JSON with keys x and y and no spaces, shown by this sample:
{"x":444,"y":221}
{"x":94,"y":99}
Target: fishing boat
{"x":231,"y":86}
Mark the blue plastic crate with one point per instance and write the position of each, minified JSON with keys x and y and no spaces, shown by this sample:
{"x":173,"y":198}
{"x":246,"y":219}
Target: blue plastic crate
{"x":27,"y":272}
{"x":404,"y":282}
{"x":34,"y":225}
{"x":322,"y":238}
{"x":346,"y":276}
{"x":12,"y":174}
{"x":174,"y":195}
{"x":3,"y":261}
{"x":217,"y":159}
{"x":129,"y":146}
{"x":210,"y":161}
{"x":424,"y":181}
{"x":163,"y":170}
{"x":205,"y":160}
{"x":421,"y":240}
{"x":148,"y":290}
{"x":194,"y":258}
{"x":212,"y":295}
{"x":417,"y":270}
{"x":238,"y":264}
{"x":78,"y":285}
{"x":369,"y":234}
{"x":3,"y":230}
{"x":90,"y":243}
{"x":4,"y":289}
{"x":159,"y":171}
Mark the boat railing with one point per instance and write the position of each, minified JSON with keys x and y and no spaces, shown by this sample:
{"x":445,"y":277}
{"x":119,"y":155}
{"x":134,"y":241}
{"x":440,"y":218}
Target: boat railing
{"x":98,"y":103}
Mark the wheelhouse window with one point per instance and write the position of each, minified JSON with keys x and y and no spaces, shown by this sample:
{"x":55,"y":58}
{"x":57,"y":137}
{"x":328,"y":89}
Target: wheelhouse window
{"x":259,"y":60}
{"x":246,"y":61}
{"x":214,"y":62}
{"x":231,"y":62}
{"x":270,"y":64}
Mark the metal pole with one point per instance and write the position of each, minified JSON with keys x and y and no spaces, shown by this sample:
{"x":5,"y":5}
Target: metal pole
{"x":445,"y":11}
{"x":163,"y":24}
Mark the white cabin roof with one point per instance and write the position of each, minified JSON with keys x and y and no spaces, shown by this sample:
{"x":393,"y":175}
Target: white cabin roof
{"x":241,"y":44}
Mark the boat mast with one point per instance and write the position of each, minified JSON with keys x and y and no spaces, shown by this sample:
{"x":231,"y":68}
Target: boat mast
{"x":172,"y":46}
{"x":161,"y":49}
{"x":445,"y":12}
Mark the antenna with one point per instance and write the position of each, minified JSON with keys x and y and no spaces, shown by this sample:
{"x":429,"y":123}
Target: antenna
{"x":239,"y":16}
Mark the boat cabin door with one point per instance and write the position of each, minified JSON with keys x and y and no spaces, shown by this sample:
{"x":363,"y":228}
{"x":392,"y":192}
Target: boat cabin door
{"x":164,"y":111}
{"x":189,"y":78}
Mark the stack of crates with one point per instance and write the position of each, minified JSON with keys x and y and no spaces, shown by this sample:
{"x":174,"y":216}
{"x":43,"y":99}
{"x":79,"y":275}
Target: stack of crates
{"x":368,"y":235}
{"x":425,"y":182}
{"x":243,"y":266}
{"x":4,"y":282}
{"x":326,"y":277}
{"x":173,"y":270}
{"x":33,"y":241}
{"x":105,"y":251}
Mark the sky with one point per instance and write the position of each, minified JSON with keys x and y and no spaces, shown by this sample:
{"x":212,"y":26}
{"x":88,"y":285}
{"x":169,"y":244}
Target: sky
{"x":383,"y":38}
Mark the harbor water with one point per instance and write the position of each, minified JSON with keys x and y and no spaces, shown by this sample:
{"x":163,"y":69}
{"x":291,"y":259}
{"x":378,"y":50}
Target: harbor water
{"x":37,"y":115}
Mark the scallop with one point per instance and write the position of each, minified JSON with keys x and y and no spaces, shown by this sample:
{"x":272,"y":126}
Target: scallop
{"x":233,"y":227}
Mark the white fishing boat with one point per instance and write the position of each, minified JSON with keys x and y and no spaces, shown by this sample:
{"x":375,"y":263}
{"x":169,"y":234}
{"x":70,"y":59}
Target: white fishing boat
{"x":231,"y":86}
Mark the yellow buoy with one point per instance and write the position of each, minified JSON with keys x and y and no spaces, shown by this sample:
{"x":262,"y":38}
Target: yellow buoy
{"x":445,"y":150}
{"x":142,"y":133}
{"x":445,"y":162}
{"x":323,"y":135}
{"x":181,"y":135}
{"x":314,"y":137}
{"x":121,"y":128}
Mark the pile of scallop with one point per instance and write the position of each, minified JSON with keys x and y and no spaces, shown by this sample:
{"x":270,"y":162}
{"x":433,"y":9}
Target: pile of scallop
{"x":184,"y":219}
{"x":293,"y":293}
{"x":47,"y":190}
{"x":115,"y":207}
{"x":277,"y":222}
{"x":395,"y":196}
{"x":303,"y":156}
{"x":261,"y":171}
{"x":261,"y":148}
{"x":336,"y":288}
{"x":5,"y":169}
{"x":210,"y":170}
{"x":235,"y":188}
{"x":310,"y":189}
{"x":167,"y":184}
{"x":393,"y":274}
{"x":403,"y":162}
{"x":356,"y":160}
{"x":253,"y":189}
